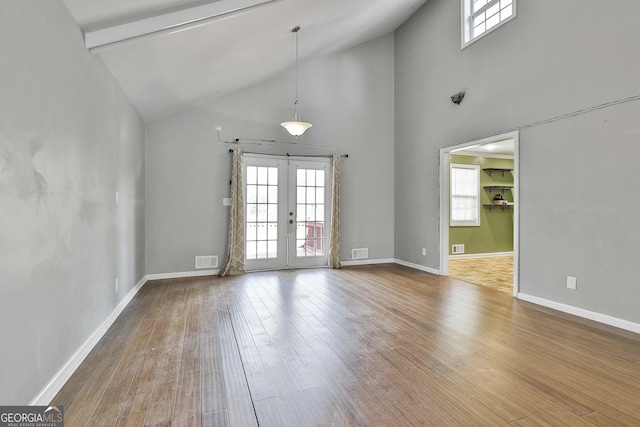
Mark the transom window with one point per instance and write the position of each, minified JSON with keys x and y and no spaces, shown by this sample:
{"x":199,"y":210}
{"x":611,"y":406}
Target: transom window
{"x":480,"y":17}
{"x":465,"y":195}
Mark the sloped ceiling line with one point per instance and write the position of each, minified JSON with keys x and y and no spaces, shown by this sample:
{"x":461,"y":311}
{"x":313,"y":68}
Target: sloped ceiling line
{"x":177,"y":19}
{"x":170,"y":55}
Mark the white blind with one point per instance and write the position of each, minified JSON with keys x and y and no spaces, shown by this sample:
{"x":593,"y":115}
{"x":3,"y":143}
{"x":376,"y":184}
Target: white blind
{"x":465,"y":187}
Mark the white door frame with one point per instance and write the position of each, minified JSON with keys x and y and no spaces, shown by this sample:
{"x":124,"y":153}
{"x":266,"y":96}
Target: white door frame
{"x":445,"y":208}
{"x":293,"y":260}
{"x":287,"y":215}
{"x":281,"y":163}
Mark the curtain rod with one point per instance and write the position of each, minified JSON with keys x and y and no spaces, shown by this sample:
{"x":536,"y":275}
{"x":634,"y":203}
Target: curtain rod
{"x":289,"y":155}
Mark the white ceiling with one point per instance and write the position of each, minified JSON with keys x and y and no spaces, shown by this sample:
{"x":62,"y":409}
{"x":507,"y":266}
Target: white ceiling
{"x":174,"y":69}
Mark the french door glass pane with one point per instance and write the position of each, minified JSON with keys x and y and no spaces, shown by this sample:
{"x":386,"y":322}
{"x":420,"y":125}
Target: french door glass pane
{"x":251,"y":248}
{"x":262,"y":212}
{"x":310,"y":207}
{"x":252,"y":177}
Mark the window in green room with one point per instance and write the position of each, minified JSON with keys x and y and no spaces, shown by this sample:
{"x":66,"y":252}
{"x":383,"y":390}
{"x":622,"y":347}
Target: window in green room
{"x":465,"y":195}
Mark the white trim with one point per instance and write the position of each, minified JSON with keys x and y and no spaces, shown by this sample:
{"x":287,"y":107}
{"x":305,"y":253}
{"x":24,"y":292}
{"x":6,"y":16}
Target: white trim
{"x":456,"y":148}
{"x":516,"y":212}
{"x":580,"y":312}
{"x":445,"y":201}
{"x":486,"y":255}
{"x":183,"y":274}
{"x":56,"y":383}
{"x":484,"y":154}
{"x":367,"y":262}
{"x":444,"y":164}
{"x":464,"y":28}
{"x":418,"y":267}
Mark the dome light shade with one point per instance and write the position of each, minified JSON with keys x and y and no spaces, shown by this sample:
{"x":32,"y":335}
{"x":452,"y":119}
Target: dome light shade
{"x":296,"y":127}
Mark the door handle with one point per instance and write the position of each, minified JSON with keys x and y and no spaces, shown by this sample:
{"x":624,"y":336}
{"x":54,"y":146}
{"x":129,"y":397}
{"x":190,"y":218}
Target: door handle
{"x":290,"y":221}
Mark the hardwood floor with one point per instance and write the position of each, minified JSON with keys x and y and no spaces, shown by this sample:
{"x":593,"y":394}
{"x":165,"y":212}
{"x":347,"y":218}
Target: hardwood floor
{"x":494,"y":272}
{"x":362,"y":346}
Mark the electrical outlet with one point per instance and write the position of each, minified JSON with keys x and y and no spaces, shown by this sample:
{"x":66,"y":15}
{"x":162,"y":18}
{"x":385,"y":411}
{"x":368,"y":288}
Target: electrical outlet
{"x":117,"y":284}
{"x":572,"y":283}
{"x":424,"y":251}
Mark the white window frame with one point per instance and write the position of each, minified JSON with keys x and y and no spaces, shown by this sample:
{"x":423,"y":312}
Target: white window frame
{"x":464,"y":223}
{"x":467,"y":20}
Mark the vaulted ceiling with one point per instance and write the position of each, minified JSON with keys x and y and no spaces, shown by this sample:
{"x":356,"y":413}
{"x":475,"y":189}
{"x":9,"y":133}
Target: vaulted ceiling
{"x":169,"y":55}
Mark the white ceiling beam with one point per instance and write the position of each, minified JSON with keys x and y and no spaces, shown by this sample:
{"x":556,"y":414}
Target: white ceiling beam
{"x":165,"y":21}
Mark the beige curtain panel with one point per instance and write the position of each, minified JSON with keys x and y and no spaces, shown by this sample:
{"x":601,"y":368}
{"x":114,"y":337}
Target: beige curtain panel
{"x":235,"y":259}
{"x":334,"y":241}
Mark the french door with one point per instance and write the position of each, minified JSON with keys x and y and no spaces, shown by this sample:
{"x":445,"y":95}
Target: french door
{"x":287,"y":212}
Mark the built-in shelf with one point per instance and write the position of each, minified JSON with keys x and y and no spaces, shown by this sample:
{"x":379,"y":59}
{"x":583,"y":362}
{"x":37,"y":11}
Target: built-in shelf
{"x":501,"y":188}
{"x":498,"y":206}
{"x":492,"y":170}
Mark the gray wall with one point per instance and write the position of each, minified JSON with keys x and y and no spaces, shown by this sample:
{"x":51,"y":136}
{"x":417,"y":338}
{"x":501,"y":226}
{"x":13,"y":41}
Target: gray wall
{"x":69,"y":139}
{"x":577,"y":173}
{"x":349,"y":98}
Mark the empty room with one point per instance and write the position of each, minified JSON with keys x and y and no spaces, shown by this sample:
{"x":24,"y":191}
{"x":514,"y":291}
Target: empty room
{"x":244,"y":212}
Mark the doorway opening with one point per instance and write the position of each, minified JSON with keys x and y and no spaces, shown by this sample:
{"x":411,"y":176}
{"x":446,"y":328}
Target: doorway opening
{"x":286,"y":212}
{"x":483,"y":249}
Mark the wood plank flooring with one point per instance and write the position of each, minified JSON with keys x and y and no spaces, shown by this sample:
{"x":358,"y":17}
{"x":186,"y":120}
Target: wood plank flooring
{"x":494,"y":272}
{"x":363,"y":346}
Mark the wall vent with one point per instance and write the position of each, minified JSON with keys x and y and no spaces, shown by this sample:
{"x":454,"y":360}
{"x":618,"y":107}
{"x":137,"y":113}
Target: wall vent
{"x":360,"y":253}
{"x":209,"y":261}
{"x":457,"y":249}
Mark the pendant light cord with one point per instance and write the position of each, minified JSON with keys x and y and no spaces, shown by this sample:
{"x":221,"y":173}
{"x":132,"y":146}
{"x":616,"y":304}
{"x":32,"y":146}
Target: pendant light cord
{"x":296,"y":30}
{"x":296,"y":67}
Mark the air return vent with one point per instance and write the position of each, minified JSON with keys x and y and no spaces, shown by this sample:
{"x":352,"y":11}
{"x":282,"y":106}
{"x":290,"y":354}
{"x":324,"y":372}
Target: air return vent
{"x":360,"y":253}
{"x":206,"y":261}
{"x":457,"y":249}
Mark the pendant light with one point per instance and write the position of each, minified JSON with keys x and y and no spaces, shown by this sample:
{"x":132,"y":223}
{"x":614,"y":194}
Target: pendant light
{"x":296,"y":127}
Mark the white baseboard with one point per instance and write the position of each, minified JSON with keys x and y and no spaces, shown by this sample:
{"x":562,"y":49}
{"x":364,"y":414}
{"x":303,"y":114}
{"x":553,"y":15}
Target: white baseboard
{"x":580,"y":312}
{"x":418,"y":267}
{"x":52,"y":388}
{"x":366,"y":262}
{"x":181,"y":275}
{"x":488,"y":255}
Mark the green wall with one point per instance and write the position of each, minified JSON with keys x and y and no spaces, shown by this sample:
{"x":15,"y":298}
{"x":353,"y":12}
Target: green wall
{"x":495,"y":233}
